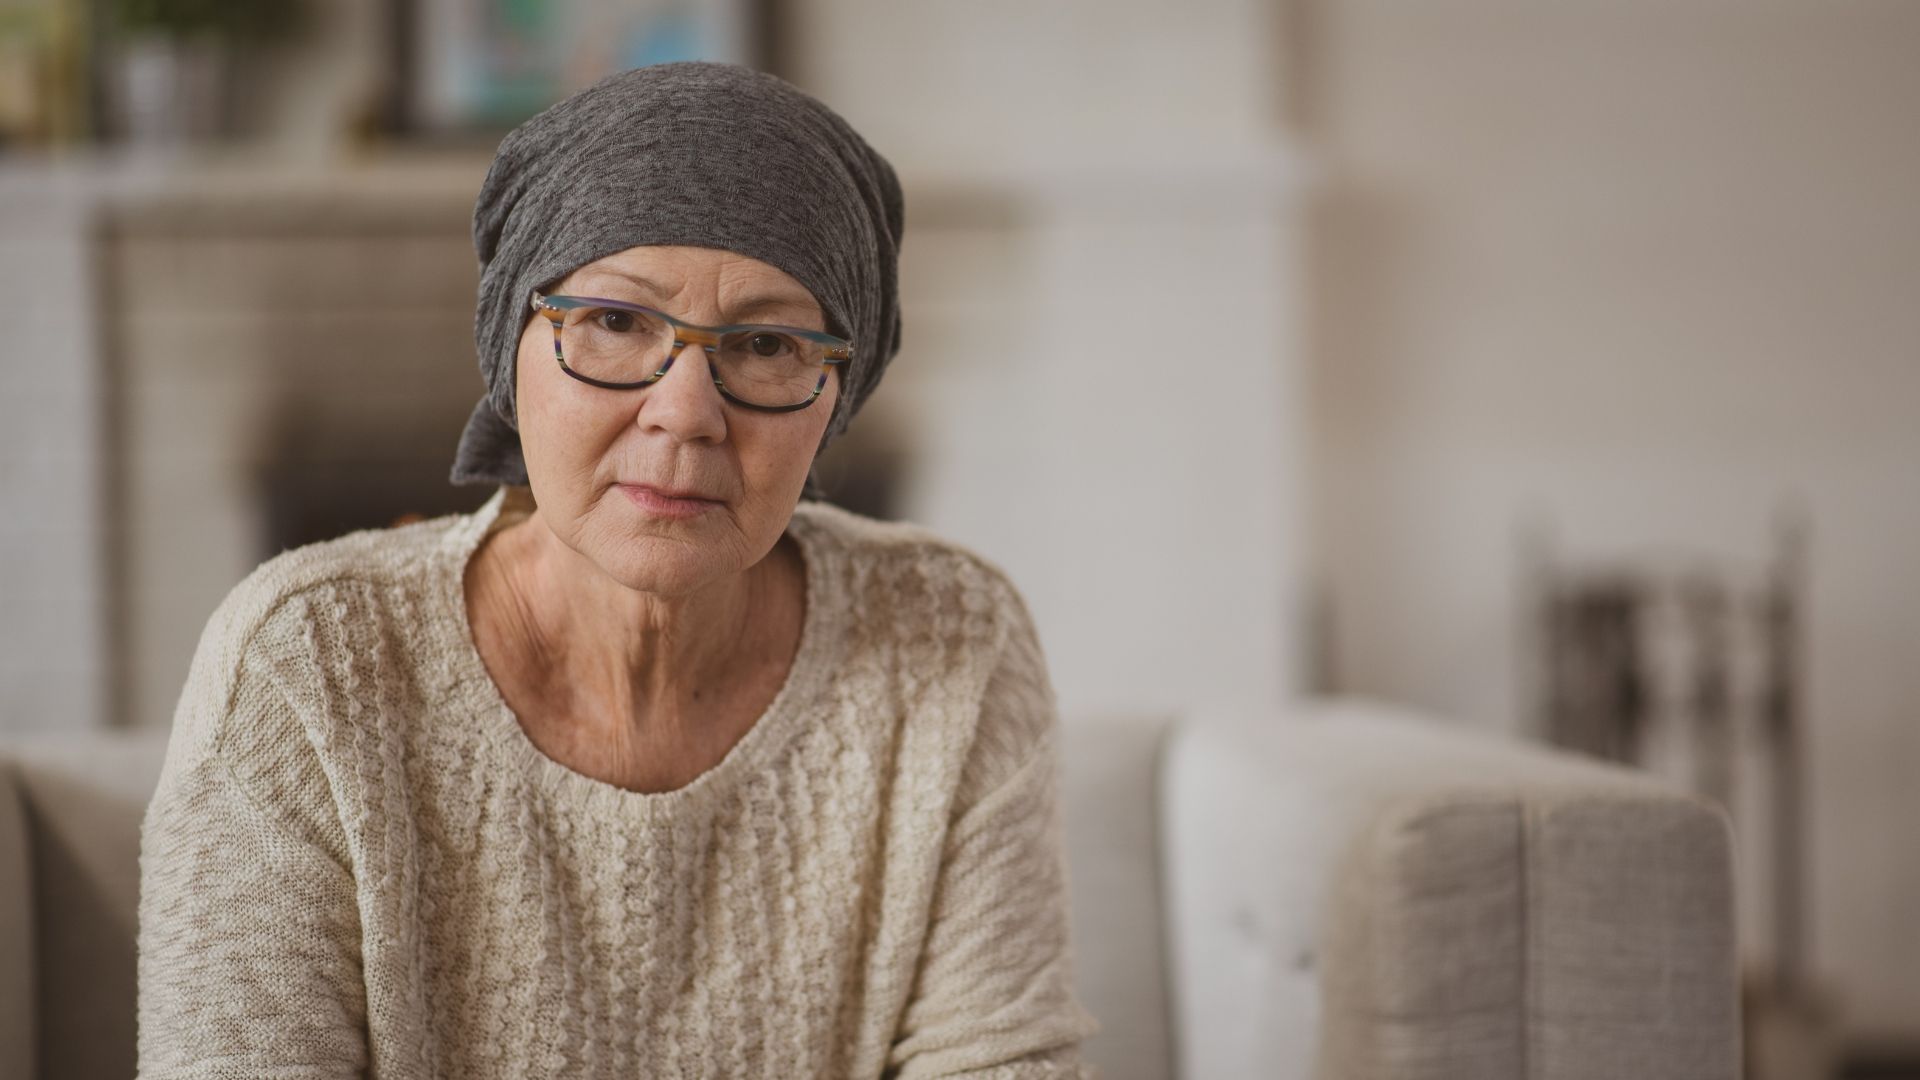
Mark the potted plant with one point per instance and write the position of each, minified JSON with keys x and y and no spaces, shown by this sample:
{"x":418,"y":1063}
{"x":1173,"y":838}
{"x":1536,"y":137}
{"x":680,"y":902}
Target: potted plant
{"x":172,"y":62}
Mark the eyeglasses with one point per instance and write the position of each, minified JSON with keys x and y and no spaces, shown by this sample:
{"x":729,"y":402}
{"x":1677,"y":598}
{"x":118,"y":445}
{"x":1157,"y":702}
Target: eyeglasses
{"x":623,"y":346}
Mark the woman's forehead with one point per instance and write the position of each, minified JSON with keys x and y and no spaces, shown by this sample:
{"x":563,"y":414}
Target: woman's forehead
{"x":675,"y":268}
{"x":669,"y":277}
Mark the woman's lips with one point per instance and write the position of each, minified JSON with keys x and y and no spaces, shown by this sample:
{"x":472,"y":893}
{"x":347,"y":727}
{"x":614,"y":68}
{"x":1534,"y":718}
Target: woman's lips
{"x":663,"y":504}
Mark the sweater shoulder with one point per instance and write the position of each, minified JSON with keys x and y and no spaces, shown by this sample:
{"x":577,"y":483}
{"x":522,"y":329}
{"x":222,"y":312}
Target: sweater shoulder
{"x":266,"y":626}
{"x":899,"y":545}
{"x":898,"y":571}
{"x":378,"y":558}
{"x":956,"y":623}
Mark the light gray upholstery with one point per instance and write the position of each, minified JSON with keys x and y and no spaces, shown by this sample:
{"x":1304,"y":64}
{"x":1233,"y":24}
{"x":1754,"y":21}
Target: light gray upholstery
{"x":80,"y":801}
{"x":16,"y":933}
{"x":1374,"y":894}
{"x":1430,"y":904}
{"x":1109,"y":792}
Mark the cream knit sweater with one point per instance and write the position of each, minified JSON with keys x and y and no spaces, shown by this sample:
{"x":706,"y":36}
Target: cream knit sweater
{"x":356,"y":862}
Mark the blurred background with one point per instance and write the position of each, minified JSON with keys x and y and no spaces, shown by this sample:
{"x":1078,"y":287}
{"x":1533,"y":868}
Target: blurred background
{"x":1554,"y":370}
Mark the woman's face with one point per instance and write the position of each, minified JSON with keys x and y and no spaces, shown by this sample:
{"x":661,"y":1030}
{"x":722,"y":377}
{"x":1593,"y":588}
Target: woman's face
{"x":603,"y":464}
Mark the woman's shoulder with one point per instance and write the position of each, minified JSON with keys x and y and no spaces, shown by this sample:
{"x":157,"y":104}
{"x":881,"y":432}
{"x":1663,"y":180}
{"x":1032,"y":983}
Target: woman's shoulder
{"x":933,"y":604}
{"x":309,"y":627}
{"x":956,"y":612}
{"x":907,"y":569}
{"x":404,"y":557}
{"x":328,"y":599}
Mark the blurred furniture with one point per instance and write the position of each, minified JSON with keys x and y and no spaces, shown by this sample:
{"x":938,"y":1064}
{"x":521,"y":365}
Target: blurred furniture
{"x":212,"y":359}
{"x":1354,"y":893}
{"x":1348,"y":890}
{"x":286,"y":357}
{"x":240,"y":353}
{"x":70,"y":810}
{"x":1694,"y":669}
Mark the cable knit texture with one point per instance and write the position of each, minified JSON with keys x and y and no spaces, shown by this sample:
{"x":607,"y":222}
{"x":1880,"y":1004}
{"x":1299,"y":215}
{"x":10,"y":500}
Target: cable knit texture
{"x":357,"y":863}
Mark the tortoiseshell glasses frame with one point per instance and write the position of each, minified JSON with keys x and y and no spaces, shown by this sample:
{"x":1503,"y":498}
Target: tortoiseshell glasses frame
{"x":828,"y":349}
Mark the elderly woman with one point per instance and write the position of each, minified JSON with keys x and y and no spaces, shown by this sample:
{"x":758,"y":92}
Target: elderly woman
{"x":647,"y":767}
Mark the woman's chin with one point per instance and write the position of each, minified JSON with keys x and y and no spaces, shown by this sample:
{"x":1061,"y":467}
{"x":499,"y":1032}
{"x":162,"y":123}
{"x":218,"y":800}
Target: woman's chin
{"x":663,"y":565}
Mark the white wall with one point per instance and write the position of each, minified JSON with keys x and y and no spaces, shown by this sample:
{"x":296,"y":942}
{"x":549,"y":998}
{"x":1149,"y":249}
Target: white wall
{"x":52,"y":670}
{"x":300,"y":98}
{"x":944,"y":87}
{"x":1652,"y":270}
{"x":1100,"y":348}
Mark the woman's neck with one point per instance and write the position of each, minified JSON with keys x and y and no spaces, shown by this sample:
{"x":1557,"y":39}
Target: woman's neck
{"x":617,"y":661}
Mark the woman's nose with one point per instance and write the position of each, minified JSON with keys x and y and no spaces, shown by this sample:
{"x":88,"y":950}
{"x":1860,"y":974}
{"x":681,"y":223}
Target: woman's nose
{"x":684,"y":403}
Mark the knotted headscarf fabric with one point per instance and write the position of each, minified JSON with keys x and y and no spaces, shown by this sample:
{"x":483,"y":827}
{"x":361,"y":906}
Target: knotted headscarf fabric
{"x":695,"y":153}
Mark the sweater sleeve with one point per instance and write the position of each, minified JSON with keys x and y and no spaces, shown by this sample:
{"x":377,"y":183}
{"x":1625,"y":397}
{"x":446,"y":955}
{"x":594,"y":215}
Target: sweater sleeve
{"x":249,"y":938}
{"x":993,"y":995}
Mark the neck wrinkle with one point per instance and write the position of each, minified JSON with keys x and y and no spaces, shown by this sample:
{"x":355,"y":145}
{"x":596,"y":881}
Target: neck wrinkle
{"x":629,"y":663}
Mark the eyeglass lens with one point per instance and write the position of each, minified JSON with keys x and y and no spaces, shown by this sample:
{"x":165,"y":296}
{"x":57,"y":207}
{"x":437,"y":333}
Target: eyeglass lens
{"x":759,"y":365}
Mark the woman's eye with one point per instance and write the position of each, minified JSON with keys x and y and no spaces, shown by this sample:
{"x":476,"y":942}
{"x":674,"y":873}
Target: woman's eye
{"x":617,"y":321}
{"x":767,"y":344}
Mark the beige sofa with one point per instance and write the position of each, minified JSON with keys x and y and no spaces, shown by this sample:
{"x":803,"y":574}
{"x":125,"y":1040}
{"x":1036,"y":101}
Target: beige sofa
{"x":1342,"y":892}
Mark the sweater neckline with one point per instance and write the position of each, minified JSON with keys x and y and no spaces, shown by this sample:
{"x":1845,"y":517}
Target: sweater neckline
{"x":750,"y":755}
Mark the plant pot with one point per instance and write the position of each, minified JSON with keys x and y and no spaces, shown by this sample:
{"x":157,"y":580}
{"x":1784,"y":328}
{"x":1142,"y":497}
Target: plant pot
{"x":170,"y":93}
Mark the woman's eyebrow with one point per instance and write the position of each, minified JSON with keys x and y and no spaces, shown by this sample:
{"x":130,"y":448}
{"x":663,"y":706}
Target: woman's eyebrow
{"x":739,"y":309}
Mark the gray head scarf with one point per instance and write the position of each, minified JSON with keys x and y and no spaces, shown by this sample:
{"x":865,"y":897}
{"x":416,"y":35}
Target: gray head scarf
{"x":702,"y":154}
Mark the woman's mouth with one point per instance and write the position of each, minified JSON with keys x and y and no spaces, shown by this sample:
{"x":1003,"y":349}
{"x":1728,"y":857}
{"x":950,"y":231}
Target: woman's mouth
{"x":664,"y":503}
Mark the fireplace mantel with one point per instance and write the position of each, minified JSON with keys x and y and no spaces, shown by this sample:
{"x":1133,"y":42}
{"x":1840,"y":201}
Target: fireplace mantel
{"x":1096,"y":391}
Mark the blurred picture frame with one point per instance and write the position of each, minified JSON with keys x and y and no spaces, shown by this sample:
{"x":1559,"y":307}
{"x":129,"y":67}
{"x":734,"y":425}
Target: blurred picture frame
{"x":467,"y":69}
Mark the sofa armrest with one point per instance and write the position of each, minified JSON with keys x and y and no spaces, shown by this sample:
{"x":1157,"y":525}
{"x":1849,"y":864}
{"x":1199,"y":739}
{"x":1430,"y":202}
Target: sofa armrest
{"x":1110,"y":764}
{"x":82,"y":796}
{"x":17,"y":1020}
{"x":1362,"y":894}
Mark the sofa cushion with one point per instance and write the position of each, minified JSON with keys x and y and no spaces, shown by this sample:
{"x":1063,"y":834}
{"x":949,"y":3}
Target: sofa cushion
{"x":1111,"y":806}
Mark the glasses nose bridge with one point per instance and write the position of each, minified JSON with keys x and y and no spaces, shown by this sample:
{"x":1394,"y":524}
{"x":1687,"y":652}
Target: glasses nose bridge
{"x":684,"y":335}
